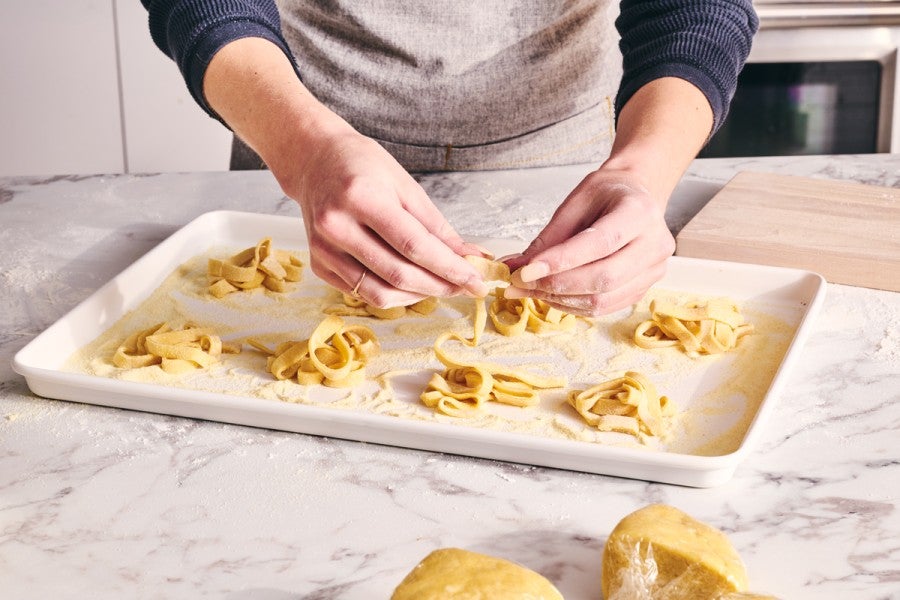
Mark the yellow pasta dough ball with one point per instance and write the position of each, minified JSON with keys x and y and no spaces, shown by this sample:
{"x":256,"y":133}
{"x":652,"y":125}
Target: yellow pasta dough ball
{"x":454,"y":574}
{"x":661,"y":553}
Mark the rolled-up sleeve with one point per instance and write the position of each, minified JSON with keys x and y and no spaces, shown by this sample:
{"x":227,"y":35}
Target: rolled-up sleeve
{"x":705,"y":42}
{"x":190,"y":32}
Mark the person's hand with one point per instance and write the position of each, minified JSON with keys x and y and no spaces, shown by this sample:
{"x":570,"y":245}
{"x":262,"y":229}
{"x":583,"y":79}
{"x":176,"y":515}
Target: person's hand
{"x":605,"y":246}
{"x":372,"y":229}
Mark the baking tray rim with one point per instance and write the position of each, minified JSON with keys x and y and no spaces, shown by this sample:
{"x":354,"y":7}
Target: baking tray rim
{"x":663,"y":466}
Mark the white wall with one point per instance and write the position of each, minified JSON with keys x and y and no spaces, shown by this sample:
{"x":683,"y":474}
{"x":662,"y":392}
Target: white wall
{"x":83,"y":90}
{"x":165,"y":130}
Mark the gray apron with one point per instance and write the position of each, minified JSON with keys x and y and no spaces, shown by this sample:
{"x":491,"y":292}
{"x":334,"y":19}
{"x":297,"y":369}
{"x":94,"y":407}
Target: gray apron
{"x":455,"y":85}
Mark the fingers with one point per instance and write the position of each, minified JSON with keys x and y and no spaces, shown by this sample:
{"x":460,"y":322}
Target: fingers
{"x":605,"y":285}
{"x":377,"y":292}
{"x":388,"y":264}
{"x":602,"y":250}
{"x":623,"y":205}
{"x":420,"y":206}
{"x":624,"y":222}
{"x":365,"y":286}
{"x":363,"y":210}
{"x":377,"y":234}
{"x":392,"y":280}
{"x":429,"y":261}
{"x":346,"y":274}
{"x":606,"y":273}
{"x":597,"y":303}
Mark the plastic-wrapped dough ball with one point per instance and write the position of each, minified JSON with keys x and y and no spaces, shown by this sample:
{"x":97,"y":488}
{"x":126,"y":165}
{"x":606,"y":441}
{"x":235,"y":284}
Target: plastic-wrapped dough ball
{"x":661,"y":553}
{"x":454,"y":574}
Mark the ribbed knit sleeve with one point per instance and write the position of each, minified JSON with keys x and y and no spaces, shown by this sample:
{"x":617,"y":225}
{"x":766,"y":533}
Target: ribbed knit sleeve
{"x":705,"y":42}
{"x":190,"y":32}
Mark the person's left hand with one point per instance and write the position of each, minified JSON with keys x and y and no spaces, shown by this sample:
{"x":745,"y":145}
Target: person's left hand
{"x":603,"y":248}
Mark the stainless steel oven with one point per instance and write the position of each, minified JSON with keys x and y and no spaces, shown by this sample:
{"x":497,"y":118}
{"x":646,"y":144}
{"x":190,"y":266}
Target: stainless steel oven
{"x":821,"y":79}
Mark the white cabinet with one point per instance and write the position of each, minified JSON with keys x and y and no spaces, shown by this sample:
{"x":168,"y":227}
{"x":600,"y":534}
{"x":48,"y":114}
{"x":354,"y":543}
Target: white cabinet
{"x":83,"y":90}
{"x":59,"y":97}
{"x":165,"y":130}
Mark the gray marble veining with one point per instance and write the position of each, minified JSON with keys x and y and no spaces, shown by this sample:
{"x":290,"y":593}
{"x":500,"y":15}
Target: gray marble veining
{"x":98,"y":502}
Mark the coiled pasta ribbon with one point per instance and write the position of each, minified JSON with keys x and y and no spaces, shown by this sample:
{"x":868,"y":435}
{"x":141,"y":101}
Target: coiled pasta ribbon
{"x":699,"y":328}
{"x":260,"y":265}
{"x":464,"y":387}
{"x":355,"y":307}
{"x":629,"y":404}
{"x":334,"y":355}
{"x":175,"y":351}
{"x":493,"y":272}
{"x":513,"y":316}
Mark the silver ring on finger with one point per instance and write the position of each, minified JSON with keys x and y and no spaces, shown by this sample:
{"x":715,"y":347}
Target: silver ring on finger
{"x":355,"y":291}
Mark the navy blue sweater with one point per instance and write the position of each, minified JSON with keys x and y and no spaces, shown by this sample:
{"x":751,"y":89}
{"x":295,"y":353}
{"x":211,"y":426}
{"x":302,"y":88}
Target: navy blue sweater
{"x":705,"y":42}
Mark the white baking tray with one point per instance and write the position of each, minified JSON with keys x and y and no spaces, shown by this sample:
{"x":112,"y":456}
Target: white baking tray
{"x":792,"y":292}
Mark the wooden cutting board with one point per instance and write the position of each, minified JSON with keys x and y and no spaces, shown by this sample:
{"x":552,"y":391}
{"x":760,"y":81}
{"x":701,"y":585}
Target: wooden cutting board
{"x":846,"y":231}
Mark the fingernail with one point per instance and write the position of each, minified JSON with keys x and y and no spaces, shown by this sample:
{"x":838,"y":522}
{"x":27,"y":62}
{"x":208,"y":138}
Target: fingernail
{"x":512,"y":292}
{"x":484,"y":251}
{"x":515,"y":278}
{"x":534,"y":271}
{"x":479,"y":289}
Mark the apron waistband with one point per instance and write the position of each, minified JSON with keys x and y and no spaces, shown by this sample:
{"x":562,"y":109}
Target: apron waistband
{"x":582,"y":138}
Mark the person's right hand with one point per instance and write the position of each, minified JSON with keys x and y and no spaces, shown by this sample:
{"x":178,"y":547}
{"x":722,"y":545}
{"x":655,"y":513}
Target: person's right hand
{"x":365,"y":215}
{"x":372,"y":229}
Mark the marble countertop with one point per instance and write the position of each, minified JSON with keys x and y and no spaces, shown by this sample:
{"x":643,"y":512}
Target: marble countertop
{"x":106,"y":503}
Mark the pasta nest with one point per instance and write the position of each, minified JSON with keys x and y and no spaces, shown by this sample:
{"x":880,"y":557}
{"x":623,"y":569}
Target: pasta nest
{"x":174,"y":350}
{"x":514,"y":316}
{"x":699,"y":328}
{"x":259,"y":265}
{"x":465,"y":386}
{"x":335,"y":355}
{"x":628,"y":404}
{"x":356,"y":307}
